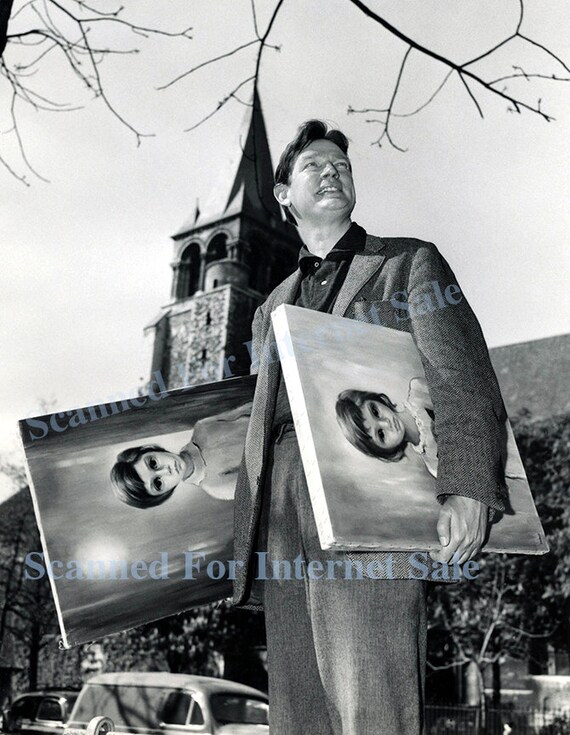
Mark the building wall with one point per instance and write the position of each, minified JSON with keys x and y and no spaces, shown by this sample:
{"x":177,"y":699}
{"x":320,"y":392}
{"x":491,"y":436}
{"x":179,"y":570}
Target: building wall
{"x":206,"y":337}
{"x":196,"y":339}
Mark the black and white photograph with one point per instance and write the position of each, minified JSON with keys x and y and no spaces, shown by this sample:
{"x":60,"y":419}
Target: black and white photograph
{"x":170,"y":177}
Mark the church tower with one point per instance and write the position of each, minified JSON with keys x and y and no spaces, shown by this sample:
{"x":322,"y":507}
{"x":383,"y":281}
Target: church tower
{"x":227,"y":257}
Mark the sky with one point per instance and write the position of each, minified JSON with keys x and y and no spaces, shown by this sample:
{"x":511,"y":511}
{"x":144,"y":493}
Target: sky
{"x":86,"y":257}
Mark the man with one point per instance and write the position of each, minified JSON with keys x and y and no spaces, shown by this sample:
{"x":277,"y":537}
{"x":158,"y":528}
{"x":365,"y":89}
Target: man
{"x":347,"y":656}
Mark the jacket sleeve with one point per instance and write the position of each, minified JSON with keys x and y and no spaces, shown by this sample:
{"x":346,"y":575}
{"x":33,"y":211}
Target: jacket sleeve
{"x":470,"y":419}
{"x":256,"y":340}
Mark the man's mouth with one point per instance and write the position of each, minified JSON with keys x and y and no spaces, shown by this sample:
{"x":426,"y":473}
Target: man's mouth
{"x":328,"y":188}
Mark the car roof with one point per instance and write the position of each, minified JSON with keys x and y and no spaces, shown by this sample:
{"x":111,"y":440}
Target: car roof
{"x":58,"y":693}
{"x":206,"y":684}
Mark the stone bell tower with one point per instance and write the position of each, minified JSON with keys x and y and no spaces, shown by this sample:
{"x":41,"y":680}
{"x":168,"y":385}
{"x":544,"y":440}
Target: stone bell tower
{"x":227,"y":257}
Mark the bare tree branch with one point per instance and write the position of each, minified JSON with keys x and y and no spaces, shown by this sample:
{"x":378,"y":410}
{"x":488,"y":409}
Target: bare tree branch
{"x":546,"y":50}
{"x":66,"y":28}
{"x":430,"y":99}
{"x":207,"y":62}
{"x":528,"y":77}
{"x":262,"y":43}
{"x":20,"y":142}
{"x":254,"y":15}
{"x":220,"y":104}
{"x":461,"y":69}
{"x":446,"y":667}
{"x":475,"y":102}
{"x":62,"y":26}
{"x":386,"y":122}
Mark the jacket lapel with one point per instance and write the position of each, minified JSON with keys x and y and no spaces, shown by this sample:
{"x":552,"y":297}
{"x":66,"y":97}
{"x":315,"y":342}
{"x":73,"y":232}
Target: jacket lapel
{"x":363,"y":267}
{"x":285,"y":293}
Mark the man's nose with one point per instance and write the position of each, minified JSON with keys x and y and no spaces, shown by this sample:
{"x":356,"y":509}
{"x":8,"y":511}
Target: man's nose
{"x":329,"y":169}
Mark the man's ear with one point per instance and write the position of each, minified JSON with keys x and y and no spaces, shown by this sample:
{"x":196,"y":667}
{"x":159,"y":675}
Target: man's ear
{"x":281,"y":193}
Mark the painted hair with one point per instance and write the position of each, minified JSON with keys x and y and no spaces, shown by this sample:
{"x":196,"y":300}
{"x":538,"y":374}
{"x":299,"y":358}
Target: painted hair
{"x":349,"y":416}
{"x":308,"y":132}
{"x":127,"y":485}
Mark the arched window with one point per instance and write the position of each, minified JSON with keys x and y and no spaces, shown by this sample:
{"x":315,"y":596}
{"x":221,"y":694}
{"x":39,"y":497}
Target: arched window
{"x":188,"y":271}
{"x":218,"y":248}
{"x":257,"y":261}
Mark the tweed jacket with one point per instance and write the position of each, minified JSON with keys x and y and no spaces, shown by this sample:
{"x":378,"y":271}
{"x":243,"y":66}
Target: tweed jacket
{"x":392,"y":282}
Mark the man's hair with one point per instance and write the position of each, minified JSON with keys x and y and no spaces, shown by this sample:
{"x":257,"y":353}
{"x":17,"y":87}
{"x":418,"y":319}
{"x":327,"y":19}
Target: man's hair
{"x":307,"y":133}
{"x":127,"y":484}
{"x":349,"y":416}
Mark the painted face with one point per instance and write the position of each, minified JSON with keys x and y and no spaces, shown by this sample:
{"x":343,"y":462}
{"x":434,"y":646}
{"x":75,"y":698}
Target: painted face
{"x":321,"y":183}
{"x":160,"y":471}
{"x":383,"y":425}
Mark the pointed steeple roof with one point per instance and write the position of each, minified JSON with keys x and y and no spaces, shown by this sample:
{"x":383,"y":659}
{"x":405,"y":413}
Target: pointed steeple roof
{"x":246,"y":184}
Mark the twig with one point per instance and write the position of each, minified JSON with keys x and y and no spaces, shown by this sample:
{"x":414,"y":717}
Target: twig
{"x":262,"y":43}
{"x":209,"y":61}
{"x":220,"y":104}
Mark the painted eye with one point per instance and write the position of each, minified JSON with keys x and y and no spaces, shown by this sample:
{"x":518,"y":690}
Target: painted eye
{"x":374,"y":410}
{"x":152,"y":463}
{"x":381,"y":435}
{"x":157,"y":484}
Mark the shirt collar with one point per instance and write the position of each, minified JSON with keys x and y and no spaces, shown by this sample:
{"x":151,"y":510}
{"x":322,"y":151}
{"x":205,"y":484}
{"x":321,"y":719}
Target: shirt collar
{"x":353,"y":241}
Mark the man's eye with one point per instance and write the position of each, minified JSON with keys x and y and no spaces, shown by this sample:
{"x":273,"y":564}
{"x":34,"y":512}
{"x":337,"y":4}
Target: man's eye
{"x":310,"y":164}
{"x":342,"y":164}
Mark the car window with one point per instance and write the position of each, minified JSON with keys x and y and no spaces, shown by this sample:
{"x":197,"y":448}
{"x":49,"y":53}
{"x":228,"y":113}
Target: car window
{"x":197,"y":716}
{"x":239,"y":709}
{"x":26,"y":707}
{"x":176,"y":708}
{"x":50,"y":709}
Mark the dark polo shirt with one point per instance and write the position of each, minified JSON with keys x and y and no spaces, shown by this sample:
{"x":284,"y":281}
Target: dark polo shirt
{"x":321,"y":281}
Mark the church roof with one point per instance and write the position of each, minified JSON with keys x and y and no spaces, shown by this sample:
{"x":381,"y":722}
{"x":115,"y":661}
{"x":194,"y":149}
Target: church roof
{"x":245,"y":185}
{"x":534,"y":376}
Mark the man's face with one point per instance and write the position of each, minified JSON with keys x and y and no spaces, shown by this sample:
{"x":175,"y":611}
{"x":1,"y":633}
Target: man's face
{"x":383,"y":425}
{"x":320,"y":186}
{"x":160,"y":472}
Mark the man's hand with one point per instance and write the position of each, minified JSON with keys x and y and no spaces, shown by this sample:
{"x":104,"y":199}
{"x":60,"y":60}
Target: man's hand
{"x":461,"y":529}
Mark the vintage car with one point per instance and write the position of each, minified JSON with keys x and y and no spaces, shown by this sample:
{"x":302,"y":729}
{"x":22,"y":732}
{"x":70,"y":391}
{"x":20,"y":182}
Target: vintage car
{"x":38,"y":713}
{"x":168,"y":704}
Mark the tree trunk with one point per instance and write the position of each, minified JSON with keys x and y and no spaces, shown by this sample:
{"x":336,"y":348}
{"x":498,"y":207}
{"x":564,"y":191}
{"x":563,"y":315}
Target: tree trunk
{"x":5,"y":12}
{"x":496,"y":684}
{"x":475,"y":691}
{"x":34,"y":655}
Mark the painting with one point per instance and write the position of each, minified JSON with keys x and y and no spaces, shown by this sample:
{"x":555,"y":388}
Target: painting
{"x":134,"y":502}
{"x":342,"y":375}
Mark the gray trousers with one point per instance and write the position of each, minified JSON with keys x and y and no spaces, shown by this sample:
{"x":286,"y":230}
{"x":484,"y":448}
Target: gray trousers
{"x":345,"y":656}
